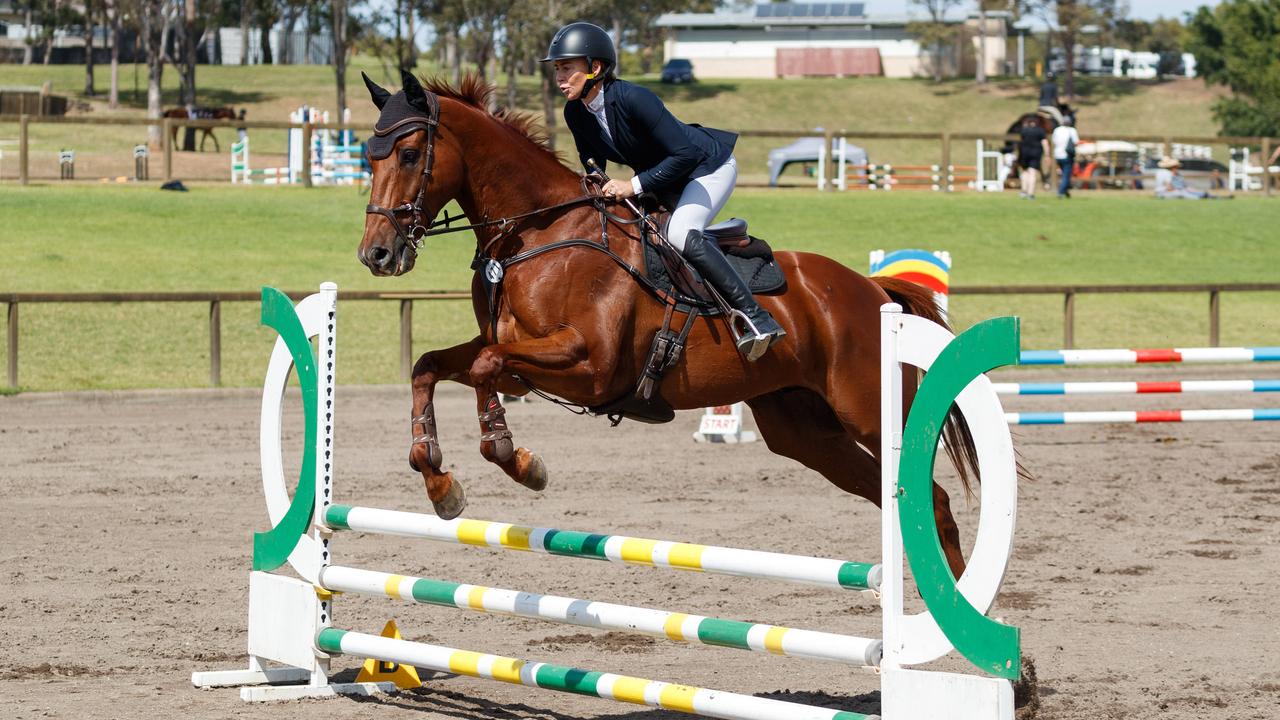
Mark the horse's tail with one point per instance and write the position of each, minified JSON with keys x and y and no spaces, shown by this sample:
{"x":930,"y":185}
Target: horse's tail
{"x":918,"y":300}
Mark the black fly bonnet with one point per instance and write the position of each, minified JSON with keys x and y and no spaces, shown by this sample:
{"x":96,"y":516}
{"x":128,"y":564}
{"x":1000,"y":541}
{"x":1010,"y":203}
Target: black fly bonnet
{"x":406,"y":112}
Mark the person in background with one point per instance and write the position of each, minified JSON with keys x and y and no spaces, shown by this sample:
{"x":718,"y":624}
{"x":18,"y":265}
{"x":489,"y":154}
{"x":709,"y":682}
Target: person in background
{"x":1172,"y":185}
{"x":241,"y":132}
{"x":1032,"y":148}
{"x":1065,"y":140}
{"x":1049,"y":92}
{"x":1049,"y":99}
{"x":1135,"y":171}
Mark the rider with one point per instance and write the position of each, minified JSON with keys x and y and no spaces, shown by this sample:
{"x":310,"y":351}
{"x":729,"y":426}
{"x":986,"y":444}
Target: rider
{"x":689,"y":167}
{"x":1049,"y":98}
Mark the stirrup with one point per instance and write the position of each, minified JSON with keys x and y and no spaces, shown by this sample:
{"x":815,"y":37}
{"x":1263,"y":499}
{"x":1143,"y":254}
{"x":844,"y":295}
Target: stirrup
{"x":749,"y":340}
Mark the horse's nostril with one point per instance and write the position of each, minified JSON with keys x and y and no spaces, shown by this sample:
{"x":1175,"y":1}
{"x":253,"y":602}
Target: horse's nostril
{"x":379,"y":255}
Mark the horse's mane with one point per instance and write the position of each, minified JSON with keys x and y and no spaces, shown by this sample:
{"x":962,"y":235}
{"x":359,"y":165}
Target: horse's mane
{"x":477,"y":93}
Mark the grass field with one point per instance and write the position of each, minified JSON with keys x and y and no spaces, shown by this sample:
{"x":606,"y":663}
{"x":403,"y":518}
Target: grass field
{"x":867,"y":104}
{"x":127,"y":238}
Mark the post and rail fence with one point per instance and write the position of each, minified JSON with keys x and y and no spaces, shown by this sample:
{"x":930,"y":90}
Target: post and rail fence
{"x":406,"y":300}
{"x":944,"y":139}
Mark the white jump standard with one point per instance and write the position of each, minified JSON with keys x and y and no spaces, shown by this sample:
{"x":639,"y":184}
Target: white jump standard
{"x":290,"y":620}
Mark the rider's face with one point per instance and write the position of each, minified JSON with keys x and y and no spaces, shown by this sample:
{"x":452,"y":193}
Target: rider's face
{"x":571,"y":76}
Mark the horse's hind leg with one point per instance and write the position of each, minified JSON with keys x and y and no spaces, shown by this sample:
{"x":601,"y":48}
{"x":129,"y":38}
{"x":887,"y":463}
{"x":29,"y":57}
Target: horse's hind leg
{"x":799,"y":424}
{"x":497,"y":447}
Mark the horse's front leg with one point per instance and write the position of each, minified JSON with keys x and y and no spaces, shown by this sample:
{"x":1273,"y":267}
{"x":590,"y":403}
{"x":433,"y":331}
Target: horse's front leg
{"x":443,"y":490}
{"x":563,"y":352}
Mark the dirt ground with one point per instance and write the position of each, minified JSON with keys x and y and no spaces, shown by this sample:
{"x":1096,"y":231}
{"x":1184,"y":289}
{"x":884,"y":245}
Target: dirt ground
{"x":1144,"y":575}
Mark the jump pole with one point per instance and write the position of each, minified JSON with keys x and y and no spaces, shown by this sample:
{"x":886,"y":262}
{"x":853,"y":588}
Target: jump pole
{"x":290,"y":620}
{"x":1141,"y":357}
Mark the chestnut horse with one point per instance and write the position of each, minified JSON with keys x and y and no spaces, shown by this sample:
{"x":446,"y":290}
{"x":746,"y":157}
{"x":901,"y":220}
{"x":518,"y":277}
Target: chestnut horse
{"x":573,"y":323}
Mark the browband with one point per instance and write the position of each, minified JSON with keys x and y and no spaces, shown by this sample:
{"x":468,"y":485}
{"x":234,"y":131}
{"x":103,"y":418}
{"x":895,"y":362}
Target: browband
{"x":419,"y":120}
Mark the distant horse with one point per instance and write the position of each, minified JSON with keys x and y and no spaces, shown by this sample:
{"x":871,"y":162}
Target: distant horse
{"x":566,"y":316}
{"x":201,"y":113}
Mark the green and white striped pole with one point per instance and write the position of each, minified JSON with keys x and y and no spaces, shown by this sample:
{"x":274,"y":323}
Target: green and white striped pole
{"x":669,"y":696}
{"x":676,"y":626}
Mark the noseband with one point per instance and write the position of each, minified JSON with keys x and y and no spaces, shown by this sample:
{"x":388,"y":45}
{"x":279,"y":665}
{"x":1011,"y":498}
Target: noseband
{"x":412,"y":235}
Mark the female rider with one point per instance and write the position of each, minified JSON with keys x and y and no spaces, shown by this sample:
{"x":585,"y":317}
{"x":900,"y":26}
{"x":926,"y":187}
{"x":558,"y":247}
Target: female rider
{"x":691,"y":169}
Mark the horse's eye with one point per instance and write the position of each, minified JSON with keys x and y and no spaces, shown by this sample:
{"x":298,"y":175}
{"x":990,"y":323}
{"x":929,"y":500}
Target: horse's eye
{"x":408,"y":156}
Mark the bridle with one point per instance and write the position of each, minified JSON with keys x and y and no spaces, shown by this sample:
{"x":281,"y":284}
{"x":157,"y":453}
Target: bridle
{"x":412,"y":235}
{"x":421,"y":226}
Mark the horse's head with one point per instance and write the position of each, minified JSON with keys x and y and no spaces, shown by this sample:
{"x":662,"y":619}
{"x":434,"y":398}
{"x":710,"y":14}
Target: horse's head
{"x":411,"y":181}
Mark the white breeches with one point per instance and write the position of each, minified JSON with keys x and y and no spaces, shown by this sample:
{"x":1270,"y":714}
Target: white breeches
{"x":701,"y":200}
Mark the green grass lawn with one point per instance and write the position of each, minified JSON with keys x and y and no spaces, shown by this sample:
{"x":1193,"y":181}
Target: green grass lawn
{"x":134,"y":238}
{"x":866,"y":104}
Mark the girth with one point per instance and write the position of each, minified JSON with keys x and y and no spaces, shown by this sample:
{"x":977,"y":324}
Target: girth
{"x":643,"y":403}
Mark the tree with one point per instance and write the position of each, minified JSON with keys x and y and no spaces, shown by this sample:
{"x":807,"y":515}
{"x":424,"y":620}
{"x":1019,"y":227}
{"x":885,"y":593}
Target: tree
{"x":29,"y":41}
{"x":155,"y":38}
{"x":339,"y":27}
{"x":1237,"y":44}
{"x":111,"y":18}
{"x":89,"y":90}
{"x":398,"y":52}
{"x":246,"y":13}
{"x":935,"y":32}
{"x":981,"y":74}
{"x":1066,"y":18}
{"x":186,"y":40}
{"x":1132,"y":33}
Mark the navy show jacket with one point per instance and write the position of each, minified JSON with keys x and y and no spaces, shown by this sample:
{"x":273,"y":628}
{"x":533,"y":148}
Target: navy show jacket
{"x":664,"y":152}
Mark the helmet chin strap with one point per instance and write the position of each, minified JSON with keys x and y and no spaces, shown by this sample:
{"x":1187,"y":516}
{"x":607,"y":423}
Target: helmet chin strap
{"x":592,"y":79}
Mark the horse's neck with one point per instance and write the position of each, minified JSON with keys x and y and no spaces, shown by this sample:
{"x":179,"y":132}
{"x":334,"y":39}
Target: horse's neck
{"x":509,"y":184}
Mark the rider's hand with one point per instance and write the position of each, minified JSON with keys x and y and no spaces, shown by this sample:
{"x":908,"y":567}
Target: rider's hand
{"x":617,"y":190}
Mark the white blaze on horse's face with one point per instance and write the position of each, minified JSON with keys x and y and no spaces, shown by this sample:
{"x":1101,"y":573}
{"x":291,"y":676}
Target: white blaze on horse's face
{"x":395,"y":181}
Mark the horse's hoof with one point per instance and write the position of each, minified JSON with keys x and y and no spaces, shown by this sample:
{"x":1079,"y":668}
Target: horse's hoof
{"x":453,"y":503}
{"x":535,"y":476}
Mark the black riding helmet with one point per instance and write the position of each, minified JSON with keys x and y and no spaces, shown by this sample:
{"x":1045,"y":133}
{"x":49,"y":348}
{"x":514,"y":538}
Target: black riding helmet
{"x":583,"y":40}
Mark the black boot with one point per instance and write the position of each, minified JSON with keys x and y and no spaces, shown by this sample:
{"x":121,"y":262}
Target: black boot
{"x":762,"y":331}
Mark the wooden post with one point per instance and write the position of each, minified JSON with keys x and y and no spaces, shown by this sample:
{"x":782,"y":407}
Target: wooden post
{"x":1168,"y":147}
{"x":1266,"y":166}
{"x":406,"y":339}
{"x":215,"y":343}
{"x":165,"y":130}
{"x":13,"y":344}
{"x":306,"y":154}
{"x":24,"y":157}
{"x":1214,"y":318}
{"x":1069,"y":320}
{"x":946,"y":161}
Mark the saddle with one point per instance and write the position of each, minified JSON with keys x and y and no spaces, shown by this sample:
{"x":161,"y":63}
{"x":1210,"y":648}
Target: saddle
{"x":685,"y":292}
{"x":750,"y":256}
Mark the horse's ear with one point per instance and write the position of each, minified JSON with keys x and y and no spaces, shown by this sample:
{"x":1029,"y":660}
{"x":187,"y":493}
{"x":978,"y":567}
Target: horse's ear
{"x":379,"y":95}
{"x":413,"y":91}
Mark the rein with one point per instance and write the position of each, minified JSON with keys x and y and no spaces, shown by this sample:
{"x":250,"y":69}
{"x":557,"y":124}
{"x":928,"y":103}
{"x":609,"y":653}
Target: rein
{"x":494,"y":268}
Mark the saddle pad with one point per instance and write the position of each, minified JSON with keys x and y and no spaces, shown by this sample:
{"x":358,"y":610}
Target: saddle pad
{"x":763,"y":276}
